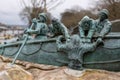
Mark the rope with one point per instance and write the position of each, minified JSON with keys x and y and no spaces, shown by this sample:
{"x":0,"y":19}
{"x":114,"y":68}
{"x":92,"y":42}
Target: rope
{"x":48,"y":51}
{"x":40,"y":48}
{"x":13,"y":53}
{"x":34,"y":51}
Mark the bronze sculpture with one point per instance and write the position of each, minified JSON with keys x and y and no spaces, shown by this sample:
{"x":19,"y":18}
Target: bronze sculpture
{"x":74,"y":51}
{"x":103,"y":25}
{"x":40,"y":25}
{"x":82,"y":45}
{"x":86,"y":29}
{"x":58,"y":28}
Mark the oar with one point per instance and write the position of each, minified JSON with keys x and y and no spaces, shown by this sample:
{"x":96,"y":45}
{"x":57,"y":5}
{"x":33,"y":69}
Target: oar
{"x":25,"y":40}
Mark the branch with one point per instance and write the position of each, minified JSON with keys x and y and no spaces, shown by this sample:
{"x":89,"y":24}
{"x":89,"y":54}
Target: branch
{"x":25,"y":5}
{"x":51,"y":6}
{"x":114,"y":21}
{"x":40,"y":3}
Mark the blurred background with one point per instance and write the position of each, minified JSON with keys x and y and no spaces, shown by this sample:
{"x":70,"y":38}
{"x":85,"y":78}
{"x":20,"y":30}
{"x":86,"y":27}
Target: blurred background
{"x":16,"y":15}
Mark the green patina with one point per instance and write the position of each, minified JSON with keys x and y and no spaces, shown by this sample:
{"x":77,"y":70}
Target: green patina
{"x":40,"y":25}
{"x":76,"y":51}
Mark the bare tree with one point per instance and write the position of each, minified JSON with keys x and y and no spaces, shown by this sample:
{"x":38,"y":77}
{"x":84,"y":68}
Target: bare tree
{"x":113,"y":6}
{"x":71,"y":17}
{"x":31,"y":8}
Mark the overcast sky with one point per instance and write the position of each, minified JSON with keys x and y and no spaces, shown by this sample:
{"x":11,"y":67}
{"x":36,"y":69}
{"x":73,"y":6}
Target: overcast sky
{"x":10,"y":9}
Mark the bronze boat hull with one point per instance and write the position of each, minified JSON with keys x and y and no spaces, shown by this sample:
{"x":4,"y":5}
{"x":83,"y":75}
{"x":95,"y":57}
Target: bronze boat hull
{"x":45,"y":52}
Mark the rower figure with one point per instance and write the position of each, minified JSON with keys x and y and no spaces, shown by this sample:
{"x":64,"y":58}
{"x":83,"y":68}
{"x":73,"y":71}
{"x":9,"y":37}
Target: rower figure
{"x":40,"y":25}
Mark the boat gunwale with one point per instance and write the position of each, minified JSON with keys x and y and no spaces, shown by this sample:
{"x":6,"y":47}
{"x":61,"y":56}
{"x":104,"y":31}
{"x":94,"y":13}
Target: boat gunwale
{"x":28,"y":42}
{"x":112,"y":35}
